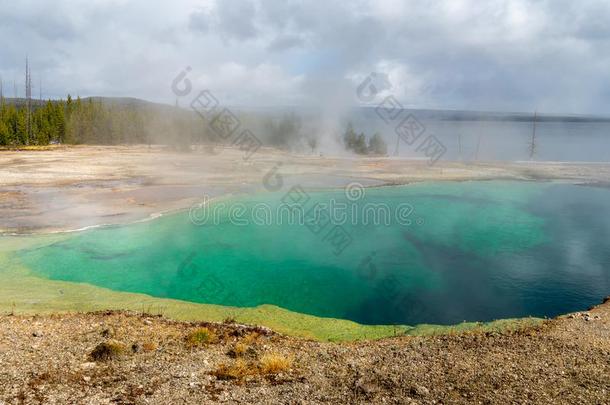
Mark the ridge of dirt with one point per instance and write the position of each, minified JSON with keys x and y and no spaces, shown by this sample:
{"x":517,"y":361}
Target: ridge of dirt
{"x":47,"y":359}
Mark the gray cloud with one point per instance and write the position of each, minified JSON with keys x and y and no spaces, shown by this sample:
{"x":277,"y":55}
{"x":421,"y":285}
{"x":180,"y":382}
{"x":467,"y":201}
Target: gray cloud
{"x":236,"y":19}
{"x":285,"y":42}
{"x":199,"y":21}
{"x":516,"y":55}
{"x":230,"y":19}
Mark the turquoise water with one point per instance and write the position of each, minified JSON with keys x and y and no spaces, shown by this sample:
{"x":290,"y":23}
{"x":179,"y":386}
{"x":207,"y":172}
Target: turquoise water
{"x":464,"y":251}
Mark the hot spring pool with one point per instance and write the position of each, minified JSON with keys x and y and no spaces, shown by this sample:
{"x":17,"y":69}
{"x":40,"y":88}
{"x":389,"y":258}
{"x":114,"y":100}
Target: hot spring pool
{"x":472,"y":251}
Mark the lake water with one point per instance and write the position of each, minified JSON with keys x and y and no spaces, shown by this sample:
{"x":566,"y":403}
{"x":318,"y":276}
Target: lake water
{"x":470,"y":138}
{"x":472,"y":251}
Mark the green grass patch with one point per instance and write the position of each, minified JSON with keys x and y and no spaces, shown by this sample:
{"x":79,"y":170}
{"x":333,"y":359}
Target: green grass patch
{"x":201,"y":337}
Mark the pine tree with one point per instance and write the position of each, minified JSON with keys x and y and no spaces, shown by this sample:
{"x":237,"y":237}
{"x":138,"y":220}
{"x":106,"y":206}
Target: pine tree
{"x":377,"y":145}
{"x":21,"y":127}
{"x":4,"y":133}
{"x":69,"y":106}
{"x":349,"y":137}
{"x":360,"y":145}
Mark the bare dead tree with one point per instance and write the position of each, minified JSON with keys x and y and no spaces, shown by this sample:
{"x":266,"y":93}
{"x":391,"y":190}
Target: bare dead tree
{"x":28,"y":96}
{"x":533,"y":141}
{"x":476,"y":155}
{"x":397,"y":144}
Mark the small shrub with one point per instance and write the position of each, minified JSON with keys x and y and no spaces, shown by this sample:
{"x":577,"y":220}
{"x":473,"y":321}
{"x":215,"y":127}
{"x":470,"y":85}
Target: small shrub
{"x":107,"y":351}
{"x":274,"y":363}
{"x":201,"y":336}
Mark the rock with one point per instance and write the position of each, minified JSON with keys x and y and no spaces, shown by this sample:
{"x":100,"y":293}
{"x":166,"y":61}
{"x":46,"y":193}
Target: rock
{"x":364,"y":387}
{"x":420,"y":391}
{"x":147,"y":322}
{"x":37,"y":333}
{"x":108,"y":332}
{"x":88,"y":365}
{"x":86,"y":378}
{"x":109,"y":350}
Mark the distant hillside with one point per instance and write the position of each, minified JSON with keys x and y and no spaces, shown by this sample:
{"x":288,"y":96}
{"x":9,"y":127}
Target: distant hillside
{"x":131,"y":102}
{"x":464,"y":115}
{"x":21,"y":102}
{"x":439,"y":115}
{"x":107,"y":101}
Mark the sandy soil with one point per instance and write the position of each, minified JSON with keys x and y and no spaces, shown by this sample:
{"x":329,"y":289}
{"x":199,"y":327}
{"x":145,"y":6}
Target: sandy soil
{"x":76,"y":187}
{"x":48,"y":359}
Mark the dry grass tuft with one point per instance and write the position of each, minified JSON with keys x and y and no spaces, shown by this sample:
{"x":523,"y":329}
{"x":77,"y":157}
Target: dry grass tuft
{"x":201,"y":336}
{"x":269,"y":364}
{"x":251,"y":338}
{"x":235,"y":371}
{"x":275,"y":363}
{"x":108,"y":351}
{"x":238,"y":350}
{"x":149,"y":346}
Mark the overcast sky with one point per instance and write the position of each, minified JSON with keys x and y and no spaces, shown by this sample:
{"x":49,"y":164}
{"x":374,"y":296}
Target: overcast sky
{"x":518,"y":55}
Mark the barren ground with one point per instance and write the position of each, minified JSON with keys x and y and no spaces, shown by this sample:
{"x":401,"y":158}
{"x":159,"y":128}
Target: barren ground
{"x":75,"y":187}
{"x":46,"y":359}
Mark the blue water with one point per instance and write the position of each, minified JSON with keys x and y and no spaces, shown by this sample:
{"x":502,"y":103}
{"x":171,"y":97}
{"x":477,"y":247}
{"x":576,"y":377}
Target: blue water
{"x":472,"y":251}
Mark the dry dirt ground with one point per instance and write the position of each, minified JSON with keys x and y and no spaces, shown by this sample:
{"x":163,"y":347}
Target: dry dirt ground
{"x":48,"y":359}
{"x":74,"y":187}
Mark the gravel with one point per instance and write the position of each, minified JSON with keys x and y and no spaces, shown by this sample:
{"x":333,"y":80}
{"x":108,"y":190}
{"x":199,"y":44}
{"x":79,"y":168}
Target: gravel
{"x":47,"y":359}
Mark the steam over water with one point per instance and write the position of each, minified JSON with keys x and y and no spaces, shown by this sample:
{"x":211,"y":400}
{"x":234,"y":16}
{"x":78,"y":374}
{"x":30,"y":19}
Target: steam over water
{"x":469,"y":137}
{"x":568,"y":142}
{"x":470,"y":251}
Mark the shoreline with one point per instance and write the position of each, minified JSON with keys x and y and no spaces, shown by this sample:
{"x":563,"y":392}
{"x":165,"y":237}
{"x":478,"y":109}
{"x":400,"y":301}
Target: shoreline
{"x":174,"y":211}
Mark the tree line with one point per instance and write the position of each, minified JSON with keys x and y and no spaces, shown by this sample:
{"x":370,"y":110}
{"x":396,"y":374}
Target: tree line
{"x":93,"y":121}
{"x":70,"y":121}
{"x":361,"y":145}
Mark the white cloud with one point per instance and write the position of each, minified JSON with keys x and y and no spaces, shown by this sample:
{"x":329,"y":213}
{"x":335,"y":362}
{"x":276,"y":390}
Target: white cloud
{"x":500,"y":54}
